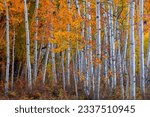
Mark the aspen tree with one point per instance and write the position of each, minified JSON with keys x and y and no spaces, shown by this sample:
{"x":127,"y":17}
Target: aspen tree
{"x":89,"y":58}
{"x":74,"y":75}
{"x":46,"y":61}
{"x":7,"y":49}
{"x":120,"y":65}
{"x":83,"y":36}
{"x":53,"y":65}
{"x":112,"y":45}
{"x":106,"y":60}
{"x":124,"y":63}
{"x":98,"y":49}
{"x":68,"y":51}
{"x":142,"y":72}
{"x":27,"y":46}
{"x":132,"y":53}
{"x":35,"y":40}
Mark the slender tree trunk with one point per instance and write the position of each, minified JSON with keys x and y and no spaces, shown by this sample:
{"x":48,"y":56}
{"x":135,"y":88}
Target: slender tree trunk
{"x":75,"y":77}
{"x":63,"y":72}
{"x":46,"y":61}
{"x":98,"y":50}
{"x":148,"y":53}
{"x":7,"y":49}
{"x":27,"y":46}
{"x":120,"y":65}
{"x":112,"y":45}
{"x":53,"y":65}
{"x":132,"y":53}
{"x":124,"y":63}
{"x":13,"y":57}
{"x":35,"y":40}
{"x":106,"y":60}
{"x":148,"y":58}
{"x":68,"y":53}
{"x":142,"y":72}
{"x":77,"y":7}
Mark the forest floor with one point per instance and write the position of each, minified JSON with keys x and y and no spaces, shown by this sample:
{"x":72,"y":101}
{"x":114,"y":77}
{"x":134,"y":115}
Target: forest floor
{"x":49,"y":92}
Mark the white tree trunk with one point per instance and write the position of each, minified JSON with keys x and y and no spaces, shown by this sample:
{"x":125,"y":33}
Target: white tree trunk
{"x":77,"y":7}
{"x":46,"y":61}
{"x":142,"y":72}
{"x":132,"y":53}
{"x":119,"y":62}
{"x":53,"y":64}
{"x":35,"y":40}
{"x":27,"y":46}
{"x":7,"y":49}
{"x":98,"y":50}
{"x":68,"y":52}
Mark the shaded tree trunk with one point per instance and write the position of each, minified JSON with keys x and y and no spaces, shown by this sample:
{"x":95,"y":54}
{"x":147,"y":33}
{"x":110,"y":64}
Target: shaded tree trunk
{"x":7,"y":49}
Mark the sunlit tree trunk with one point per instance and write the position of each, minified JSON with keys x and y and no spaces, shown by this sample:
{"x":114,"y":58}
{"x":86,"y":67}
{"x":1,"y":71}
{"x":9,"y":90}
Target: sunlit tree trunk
{"x":27,"y":46}
{"x":7,"y":49}
{"x":89,"y":62}
{"x":132,"y":53}
{"x":112,"y":45}
{"x":142,"y":72}
{"x":35,"y":40}
{"x":98,"y":50}
{"x":68,"y":52}
{"x":53,"y":64}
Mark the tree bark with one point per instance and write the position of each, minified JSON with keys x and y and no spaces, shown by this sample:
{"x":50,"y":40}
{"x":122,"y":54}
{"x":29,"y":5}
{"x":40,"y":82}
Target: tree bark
{"x":142,"y":71}
{"x":7,"y":49}
{"x":98,"y":50}
{"x":132,"y":53}
{"x":35,"y":40}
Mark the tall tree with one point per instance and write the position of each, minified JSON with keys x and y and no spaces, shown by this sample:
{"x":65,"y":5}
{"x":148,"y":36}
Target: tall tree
{"x":35,"y":40}
{"x":7,"y":49}
{"x":68,"y":51}
{"x":142,"y":72}
{"x":132,"y":52}
{"x":27,"y":46}
{"x":98,"y":49}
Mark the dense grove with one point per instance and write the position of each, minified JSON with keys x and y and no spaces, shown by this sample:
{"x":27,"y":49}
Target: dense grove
{"x":74,"y":49}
